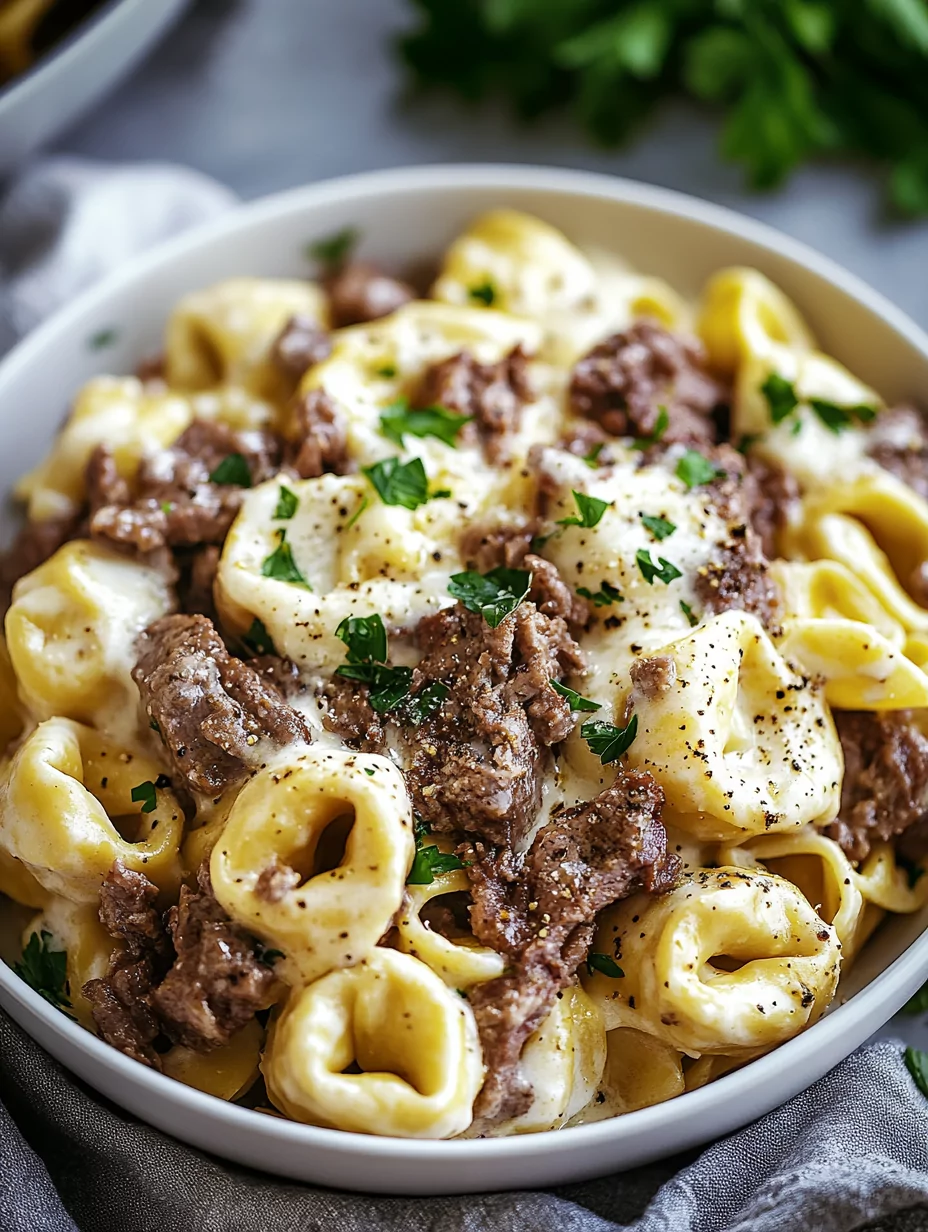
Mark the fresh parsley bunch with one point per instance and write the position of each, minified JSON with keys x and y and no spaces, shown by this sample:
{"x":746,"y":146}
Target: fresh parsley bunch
{"x":797,"y":77}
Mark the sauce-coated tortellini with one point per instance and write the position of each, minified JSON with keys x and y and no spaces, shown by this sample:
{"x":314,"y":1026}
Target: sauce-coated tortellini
{"x":314,"y":856}
{"x":743,"y":315}
{"x":409,"y":1038}
{"x":731,"y":960}
{"x":61,"y":798}
{"x":76,"y":931}
{"x":640,"y":1071}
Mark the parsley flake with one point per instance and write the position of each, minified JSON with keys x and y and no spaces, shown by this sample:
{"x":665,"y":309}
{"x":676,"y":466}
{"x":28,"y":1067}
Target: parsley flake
{"x":781,"y":397}
{"x":918,"y":1004}
{"x":607,"y":741}
{"x":281,"y":566}
{"x":232,"y":471}
{"x":836,"y":418}
{"x":357,"y":513}
{"x":604,"y":597}
{"x":575,"y":700}
{"x":660,"y":528}
{"x":258,"y":639}
{"x":402,"y":483}
{"x":99,"y":341}
{"x":916,"y":1062}
{"x":484,"y":293}
{"x":267,"y":957}
{"x":397,"y":421}
{"x":661,"y":424}
{"x":333,"y":251}
{"x":747,"y":441}
{"x":387,"y":371}
{"x":695,"y":469}
{"x":688,"y":613}
{"x":287,"y":504}
{"x":422,"y":705}
{"x":590,"y":509}
{"x":494,"y":595}
{"x":604,"y":965}
{"x":666,"y":572}
{"x":366,"y":640}
{"x":429,"y":862}
{"x":145,"y":794}
{"x":45,"y":970}
{"x":592,"y":458}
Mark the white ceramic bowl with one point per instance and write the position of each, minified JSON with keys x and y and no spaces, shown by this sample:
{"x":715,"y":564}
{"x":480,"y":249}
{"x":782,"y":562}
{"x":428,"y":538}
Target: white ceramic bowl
{"x":74,"y":74}
{"x":406,"y":216}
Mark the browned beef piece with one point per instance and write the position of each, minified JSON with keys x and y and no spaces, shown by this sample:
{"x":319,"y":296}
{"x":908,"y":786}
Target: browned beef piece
{"x":898,"y":441}
{"x":349,"y":714}
{"x":583,"y":437}
{"x":301,"y":343}
{"x":493,"y":394}
{"x":175,"y":503}
{"x":509,"y":546}
{"x":321,"y":443}
{"x":737,"y":576}
{"x":33,"y":545}
{"x":283,"y":674}
{"x":121,"y":1000}
{"x":361,"y":292}
{"x":654,"y":676}
{"x":770,"y":494}
{"x":217,"y":984}
{"x":885,"y":788}
{"x":213,"y":711}
{"x":198,"y":569}
{"x":476,"y":763}
{"x":276,"y":881}
{"x":625,"y":380}
{"x":105,"y":485}
{"x":539,"y":910}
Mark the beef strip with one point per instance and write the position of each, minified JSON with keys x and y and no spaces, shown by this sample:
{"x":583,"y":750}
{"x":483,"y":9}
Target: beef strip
{"x":898,"y":441}
{"x":476,"y":763}
{"x":349,"y":714}
{"x":321,"y":441}
{"x":654,"y":676}
{"x":624,"y":381}
{"x":539,"y":910}
{"x":217,"y":983}
{"x":361,"y":292}
{"x":121,"y":1000}
{"x":301,"y":343}
{"x":494,"y":395}
{"x":213,"y":711}
{"x":885,"y":790}
{"x":175,"y":503}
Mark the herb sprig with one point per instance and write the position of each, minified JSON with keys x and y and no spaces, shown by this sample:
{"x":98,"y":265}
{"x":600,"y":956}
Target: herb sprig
{"x":46,"y":971}
{"x":429,"y":862}
{"x":494,"y":595}
{"x":398,"y":421}
{"x":607,"y":741}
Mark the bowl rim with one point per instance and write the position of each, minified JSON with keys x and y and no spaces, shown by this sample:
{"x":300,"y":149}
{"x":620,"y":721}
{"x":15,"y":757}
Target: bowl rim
{"x":890,"y":987}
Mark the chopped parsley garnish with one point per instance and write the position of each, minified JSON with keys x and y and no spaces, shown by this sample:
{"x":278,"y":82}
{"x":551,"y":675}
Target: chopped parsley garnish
{"x":590,"y":510}
{"x":97,"y":342}
{"x":575,"y":700}
{"x":747,"y":441}
{"x":664,"y":571}
{"x":688,"y":613}
{"x":422,"y":705}
{"x":429,"y":862}
{"x":357,"y":513}
{"x":604,"y":965}
{"x":265,"y":957}
{"x":287,"y":504}
{"x":695,"y":469}
{"x":660,"y":528}
{"x":661,"y":424}
{"x":606,"y":740}
{"x":166,"y":507}
{"x":258,"y":639}
{"x":334,"y":250}
{"x":387,"y":371}
{"x":916,"y":1062}
{"x":837,"y":418}
{"x":918,"y":1004}
{"x":232,"y":471}
{"x":153,"y":724}
{"x":45,"y":970}
{"x":145,"y":794}
{"x":592,"y":458}
{"x":281,"y":566}
{"x":783,"y":400}
{"x":402,"y":483}
{"x":494,"y":595}
{"x":397,"y":421}
{"x":484,"y":293}
{"x":606,"y":595}
{"x":781,"y":397}
{"x":366,"y":640}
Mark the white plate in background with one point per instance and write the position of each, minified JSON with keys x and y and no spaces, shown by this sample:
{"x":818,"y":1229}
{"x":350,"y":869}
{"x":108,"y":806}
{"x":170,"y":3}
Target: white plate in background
{"x":405,"y":217}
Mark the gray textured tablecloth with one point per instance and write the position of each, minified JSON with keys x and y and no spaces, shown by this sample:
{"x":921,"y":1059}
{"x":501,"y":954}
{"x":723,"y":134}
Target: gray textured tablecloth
{"x":850,"y":1152}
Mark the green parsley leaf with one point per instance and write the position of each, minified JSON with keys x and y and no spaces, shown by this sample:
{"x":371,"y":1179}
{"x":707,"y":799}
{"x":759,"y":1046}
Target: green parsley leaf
{"x":145,"y":792}
{"x":357,"y":513}
{"x":494,"y":595}
{"x":369,"y":771}
{"x":661,"y":424}
{"x":688,"y":613}
{"x":281,"y":566}
{"x":333,"y":251}
{"x":604,"y":965}
{"x":387,"y":371}
{"x":429,"y":862}
{"x":397,"y":421}
{"x":916,"y":1062}
{"x":747,"y":440}
{"x":258,"y":639}
{"x":590,"y":508}
{"x":781,"y":397}
{"x":166,"y":507}
{"x":422,"y":705}
{"x":576,"y":701}
{"x":99,"y":341}
{"x":45,"y":970}
{"x":267,"y":957}
{"x":153,"y":724}
{"x":484,"y":293}
{"x":401,"y":483}
{"x":917,"y":1004}
{"x":649,"y":571}
{"x":592,"y":458}
{"x":366,"y":640}
{"x":287,"y":504}
{"x":606,"y":595}
{"x":365,"y":637}
{"x":837,"y":418}
{"x":695,"y":470}
{"x":606,"y":740}
{"x":660,"y":528}
{"x":232,"y":471}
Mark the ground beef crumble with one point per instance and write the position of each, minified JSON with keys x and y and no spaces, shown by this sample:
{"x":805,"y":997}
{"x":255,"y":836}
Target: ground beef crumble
{"x":320,"y":441}
{"x":898,"y":441}
{"x":494,"y":395}
{"x":300,"y":344}
{"x":213,"y":711}
{"x":360,"y":292}
{"x":539,"y":910}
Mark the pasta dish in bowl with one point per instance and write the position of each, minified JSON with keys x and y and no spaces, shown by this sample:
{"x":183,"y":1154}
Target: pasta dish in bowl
{"x":472,"y":710}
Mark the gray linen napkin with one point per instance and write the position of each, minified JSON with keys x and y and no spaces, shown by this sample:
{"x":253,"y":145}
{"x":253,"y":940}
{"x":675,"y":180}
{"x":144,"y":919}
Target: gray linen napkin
{"x":851,"y":1152}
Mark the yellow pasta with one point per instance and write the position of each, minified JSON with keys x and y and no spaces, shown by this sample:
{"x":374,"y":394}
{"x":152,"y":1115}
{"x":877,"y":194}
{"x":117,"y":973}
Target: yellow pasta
{"x":640,"y":1071}
{"x":744,"y":315}
{"x":227,"y":1072}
